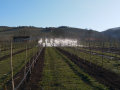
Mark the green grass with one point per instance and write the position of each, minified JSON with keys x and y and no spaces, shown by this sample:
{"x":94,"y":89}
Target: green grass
{"x":60,"y":73}
{"x":16,"y":47}
{"x":102,"y":53}
{"x":7,"y":52}
{"x":18,"y":63}
{"x":106,"y":63}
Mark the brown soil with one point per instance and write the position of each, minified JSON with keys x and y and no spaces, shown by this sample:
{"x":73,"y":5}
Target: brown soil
{"x":32,"y":78}
{"x":36,"y":75}
{"x":108,"y":78}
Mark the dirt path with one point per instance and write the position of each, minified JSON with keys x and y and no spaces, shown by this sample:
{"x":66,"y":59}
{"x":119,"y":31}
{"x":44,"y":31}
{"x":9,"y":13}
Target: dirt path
{"x":102,"y":75}
{"x":36,"y":74}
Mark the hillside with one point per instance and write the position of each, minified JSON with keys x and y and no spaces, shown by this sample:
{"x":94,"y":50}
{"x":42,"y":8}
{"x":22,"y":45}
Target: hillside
{"x":7,"y":33}
{"x":113,"y":33}
{"x":70,"y":32}
{"x":4,"y":28}
{"x":57,"y":32}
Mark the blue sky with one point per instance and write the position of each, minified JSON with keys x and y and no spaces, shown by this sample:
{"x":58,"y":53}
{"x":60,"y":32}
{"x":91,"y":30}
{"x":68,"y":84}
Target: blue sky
{"x":92,"y":14}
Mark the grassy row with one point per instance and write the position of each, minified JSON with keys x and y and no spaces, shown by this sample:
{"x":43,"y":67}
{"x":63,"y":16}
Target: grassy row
{"x":61,"y":74}
{"x":7,"y":52}
{"x":16,"y":47}
{"x":112,"y":65}
{"x":18,"y":63}
{"x":102,"y":53}
{"x":107,"y":44}
{"x":7,"y":45}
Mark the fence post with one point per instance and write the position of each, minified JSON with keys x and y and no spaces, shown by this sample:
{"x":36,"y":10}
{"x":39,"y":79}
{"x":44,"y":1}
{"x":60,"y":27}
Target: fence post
{"x":90,"y":52}
{"x":102,"y":54}
{"x":25,"y":62}
{"x":12,"y":66}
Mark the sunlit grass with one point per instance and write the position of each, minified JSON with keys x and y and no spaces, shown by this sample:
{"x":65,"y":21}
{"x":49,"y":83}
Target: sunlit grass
{"x":18,"y":63}
{"x":61,"y":74}
{"x":106,"y":63}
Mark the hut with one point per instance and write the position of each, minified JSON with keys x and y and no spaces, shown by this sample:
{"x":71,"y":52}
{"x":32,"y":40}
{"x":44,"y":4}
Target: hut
{"x":21,"y":38}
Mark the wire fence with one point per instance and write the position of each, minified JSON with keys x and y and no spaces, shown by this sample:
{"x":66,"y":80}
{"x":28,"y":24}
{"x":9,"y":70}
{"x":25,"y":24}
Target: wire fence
{"x":16,"y":61}
{"x":103,"y":53}
{"x":18,"y":58}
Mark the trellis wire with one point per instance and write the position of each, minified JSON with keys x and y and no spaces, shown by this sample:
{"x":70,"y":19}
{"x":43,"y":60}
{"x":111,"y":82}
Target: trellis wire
{"x":29,"y":70}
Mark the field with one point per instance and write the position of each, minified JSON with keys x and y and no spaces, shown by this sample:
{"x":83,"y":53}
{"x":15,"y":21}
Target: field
{"x":20,"y":56}
{"x":60,"y":73}
{"x":34,"y":67}
{"x":59,"y":44}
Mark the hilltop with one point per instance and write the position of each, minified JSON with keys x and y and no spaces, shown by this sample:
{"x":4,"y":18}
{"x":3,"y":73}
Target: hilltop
{"x":113,"y":32}
{"x":57,"y":32}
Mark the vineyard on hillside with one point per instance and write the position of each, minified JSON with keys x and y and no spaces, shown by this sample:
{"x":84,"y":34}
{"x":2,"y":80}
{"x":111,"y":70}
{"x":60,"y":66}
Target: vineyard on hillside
{"x":59,"y":64}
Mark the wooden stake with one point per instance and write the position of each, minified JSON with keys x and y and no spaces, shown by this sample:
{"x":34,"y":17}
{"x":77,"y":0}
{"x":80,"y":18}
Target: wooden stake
{"x":12,"y":67}
{"x":25,"y":61}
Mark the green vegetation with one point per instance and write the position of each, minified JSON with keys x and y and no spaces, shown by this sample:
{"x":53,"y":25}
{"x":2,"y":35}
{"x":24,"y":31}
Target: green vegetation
{"x":112,"y":65}
{"x":18,"y":64}
{"x":7,"y":52}
{"x":60,"y":73}
{"x":101,"y":53}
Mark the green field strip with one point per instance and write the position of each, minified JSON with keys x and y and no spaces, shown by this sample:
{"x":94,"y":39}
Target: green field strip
{"x":7,"y":52}
{"x":16,"y":47}
{"x":101,"y":53}
{"x":112,"y":65}
{"x":60,"y":73}
{"x":18,"y":64}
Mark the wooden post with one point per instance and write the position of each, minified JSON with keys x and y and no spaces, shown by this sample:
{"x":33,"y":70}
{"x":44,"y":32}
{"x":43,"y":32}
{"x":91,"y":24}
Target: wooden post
{"x":90,"y":52}
{"x":102,"y":53}
{"x":27,"y":54}
{"x":12,"y":67}
{"x":25,"y":63}
{"x":117,"y":47}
